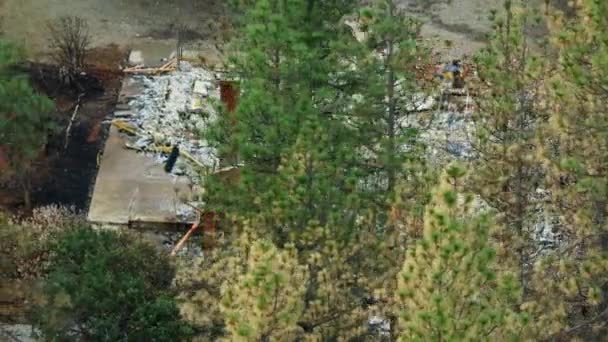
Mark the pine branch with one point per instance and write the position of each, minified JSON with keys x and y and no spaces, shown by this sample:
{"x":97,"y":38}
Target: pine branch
{"x":601,"y":316}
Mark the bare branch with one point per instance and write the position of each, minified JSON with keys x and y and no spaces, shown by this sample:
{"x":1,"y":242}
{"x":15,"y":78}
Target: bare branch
{"x":69,"y":41}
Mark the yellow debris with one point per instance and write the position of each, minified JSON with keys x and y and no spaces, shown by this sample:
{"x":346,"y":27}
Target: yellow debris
{"x":159,"y":148}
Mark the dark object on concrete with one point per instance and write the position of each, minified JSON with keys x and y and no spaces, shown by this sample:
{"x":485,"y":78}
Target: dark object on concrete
{"x":133,"y":189}
{"x":172,"y":159}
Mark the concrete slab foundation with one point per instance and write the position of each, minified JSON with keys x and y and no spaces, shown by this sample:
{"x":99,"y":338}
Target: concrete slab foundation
{"x":134,"y":188}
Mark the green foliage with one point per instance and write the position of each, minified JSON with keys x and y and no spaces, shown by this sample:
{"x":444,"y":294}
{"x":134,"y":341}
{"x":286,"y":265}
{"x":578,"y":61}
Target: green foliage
{"x":310,"y":153}
{"x":450,"y":287}
{"x":266,"y":301}
{"x":106,"y":286}
{"x":510,"y":115}
{"x":324,"y":281}
{"x":573,"y":303}
{"x":299,"y":159}
{"x":321,"y":153}
{"x":327,"y":169}
{"x":24,"y":117}
{"x":389,"y":92}
{"x":24,"y":121}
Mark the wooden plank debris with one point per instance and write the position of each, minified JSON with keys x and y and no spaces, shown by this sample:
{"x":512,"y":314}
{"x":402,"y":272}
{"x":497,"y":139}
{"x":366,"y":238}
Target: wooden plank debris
{"x":171,"y":65}
{"x":185,"y":237}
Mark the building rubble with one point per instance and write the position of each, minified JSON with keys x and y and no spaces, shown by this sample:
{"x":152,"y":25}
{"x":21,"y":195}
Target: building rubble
{"x":447,"y":134}
{"x":447,"y":130}
{"x":173,"y":110}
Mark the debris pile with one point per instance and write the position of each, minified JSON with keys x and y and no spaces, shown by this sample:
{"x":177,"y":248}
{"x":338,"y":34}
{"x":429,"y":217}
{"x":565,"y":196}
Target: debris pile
{"x":447,"y":134}
{"x":172,"y":110}
{"x":140,"y":69}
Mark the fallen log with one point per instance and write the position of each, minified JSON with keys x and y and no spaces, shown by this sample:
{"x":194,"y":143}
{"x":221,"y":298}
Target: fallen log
{"x":69,"y":128}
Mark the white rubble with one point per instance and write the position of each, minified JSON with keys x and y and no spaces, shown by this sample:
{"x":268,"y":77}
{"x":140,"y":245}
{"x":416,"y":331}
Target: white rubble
{"x":445,"y":133}
{"x":200,"y":88}
{"x":173,"y":110}
{"x":380,"y":325}
{"x":420,"y":102}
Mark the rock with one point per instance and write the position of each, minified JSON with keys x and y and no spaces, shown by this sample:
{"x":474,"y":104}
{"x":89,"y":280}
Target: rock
{"x":142,"y":143}
{"x":200,"y":125}
{"x":200,"y":88}
{"x":196,"y":105}
{"x":136,"y":57}
{"x":158,"y":137}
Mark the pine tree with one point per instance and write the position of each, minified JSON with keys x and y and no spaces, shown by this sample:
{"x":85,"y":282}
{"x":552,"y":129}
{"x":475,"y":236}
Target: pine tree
{"x":337,"y":278}
{"x":510,"y":111}
{"x":573,"y":276}
{"x":199,"y":282}
{"x":390,"y":90}
{"x":300,"y":137}
{"x":394,"y":180}
{"x":24,"y":120}
{"x":287,"y":63}
{"x":450,"y":287}
{"x":266,"y":301}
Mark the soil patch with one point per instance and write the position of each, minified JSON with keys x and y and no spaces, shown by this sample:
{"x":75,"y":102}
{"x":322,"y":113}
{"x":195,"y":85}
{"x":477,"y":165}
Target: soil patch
{"x":122,"y":22}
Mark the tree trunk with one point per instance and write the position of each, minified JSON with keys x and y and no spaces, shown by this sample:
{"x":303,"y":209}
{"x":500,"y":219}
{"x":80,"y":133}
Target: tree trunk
{"x":390,"y":94}
{"x":26,"y":186}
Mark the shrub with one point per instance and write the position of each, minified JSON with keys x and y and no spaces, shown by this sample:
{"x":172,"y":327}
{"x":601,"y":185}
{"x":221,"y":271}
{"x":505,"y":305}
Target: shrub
{"x":25,"y":243}
{"x":108,"y":286}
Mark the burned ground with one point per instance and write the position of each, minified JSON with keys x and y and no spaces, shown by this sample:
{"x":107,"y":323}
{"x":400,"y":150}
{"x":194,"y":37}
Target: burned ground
{"x":64,"y":175}
{"x":72,"y":170}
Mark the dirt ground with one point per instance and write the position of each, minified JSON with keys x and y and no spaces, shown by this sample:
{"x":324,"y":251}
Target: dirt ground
{"x":134,"y":23}
{"x":127,"y":23}
{"x":462,"y":23}
{"x":151,"y":24}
